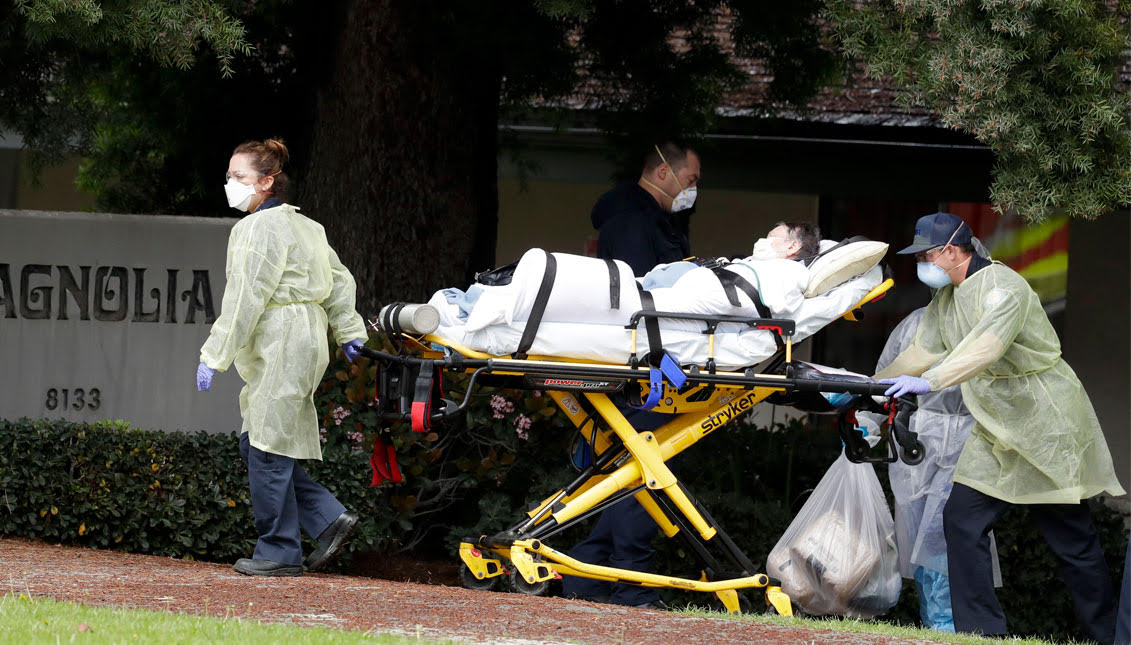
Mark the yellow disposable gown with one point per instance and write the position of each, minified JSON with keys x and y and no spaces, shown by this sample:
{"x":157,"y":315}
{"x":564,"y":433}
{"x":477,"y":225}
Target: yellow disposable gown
{"x":1036,"y":439}
{"x":284,"y":285}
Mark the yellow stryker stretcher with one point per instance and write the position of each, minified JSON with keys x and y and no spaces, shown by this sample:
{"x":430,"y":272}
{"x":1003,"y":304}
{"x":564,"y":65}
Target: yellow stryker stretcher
{"x":627,"y":463}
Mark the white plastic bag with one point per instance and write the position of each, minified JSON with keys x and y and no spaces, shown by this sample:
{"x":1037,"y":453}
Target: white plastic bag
{"x":838,"y":556}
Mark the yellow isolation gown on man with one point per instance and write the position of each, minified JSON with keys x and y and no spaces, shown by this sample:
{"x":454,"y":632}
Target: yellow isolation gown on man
{"x":284,"y":285}
{"x":1036,"y":439}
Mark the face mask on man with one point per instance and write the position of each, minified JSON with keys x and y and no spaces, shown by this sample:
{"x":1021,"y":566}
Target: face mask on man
{"x":239,"y":194}
{"x":685,"y":198}
{"x":932,"y":275}
{"x":764,"y":249}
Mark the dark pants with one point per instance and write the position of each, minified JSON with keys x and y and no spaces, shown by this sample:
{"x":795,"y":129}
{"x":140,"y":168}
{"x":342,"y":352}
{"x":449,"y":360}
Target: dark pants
{"x":1123,"y":624}
{"x":283,"y":498}
{"x":622,"y":538}
{"x":1067,"y":528}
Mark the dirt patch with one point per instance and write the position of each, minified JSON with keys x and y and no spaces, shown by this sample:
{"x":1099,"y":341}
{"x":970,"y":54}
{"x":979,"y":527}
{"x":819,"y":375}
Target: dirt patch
{"x":93,"y":577}
{"x":402,"y":569}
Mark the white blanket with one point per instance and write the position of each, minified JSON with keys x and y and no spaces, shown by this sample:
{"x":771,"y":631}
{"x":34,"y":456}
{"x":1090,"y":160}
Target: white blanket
{"x":578,"y":321}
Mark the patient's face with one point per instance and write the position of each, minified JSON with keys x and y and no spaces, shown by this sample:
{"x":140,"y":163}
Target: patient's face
{"x":781,"y":243}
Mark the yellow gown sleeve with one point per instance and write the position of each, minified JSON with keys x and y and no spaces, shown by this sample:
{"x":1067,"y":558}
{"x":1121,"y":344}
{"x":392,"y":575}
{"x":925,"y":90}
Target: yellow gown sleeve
{"x":1001,"y":320}
{"x":256,"y":258}
{"x":925,"y":349}
{"x":340,"y":304}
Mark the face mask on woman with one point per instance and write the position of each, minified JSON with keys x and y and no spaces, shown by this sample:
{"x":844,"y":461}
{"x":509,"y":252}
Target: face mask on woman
{"x":239,"y":194}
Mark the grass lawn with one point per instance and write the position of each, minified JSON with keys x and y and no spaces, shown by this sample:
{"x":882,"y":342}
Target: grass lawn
{"x":875,"y":628}
{"x":43,"y":620}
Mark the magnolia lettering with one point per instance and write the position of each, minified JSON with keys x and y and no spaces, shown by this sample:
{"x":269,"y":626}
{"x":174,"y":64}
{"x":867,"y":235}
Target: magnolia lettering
{"x":110,"y":294}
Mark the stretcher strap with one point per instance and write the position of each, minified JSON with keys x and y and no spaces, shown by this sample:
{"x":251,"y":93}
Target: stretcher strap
{"x":844,"y":242}
{"x":539,"y":307}
{"x":652,"y":327}
{"x":669,"y":368}
{"x":662,"y":363}
{"x":614,"y":284}
{"x":383,"y":461}
{"x":727,"y":282}
{"x":421,"y":412}
{"x":655,"y":388}
{"x":731,"y":282}
{"x":390,"y":322}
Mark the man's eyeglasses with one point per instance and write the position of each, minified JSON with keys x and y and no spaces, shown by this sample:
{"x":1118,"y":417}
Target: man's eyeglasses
{"x":926,"y":256}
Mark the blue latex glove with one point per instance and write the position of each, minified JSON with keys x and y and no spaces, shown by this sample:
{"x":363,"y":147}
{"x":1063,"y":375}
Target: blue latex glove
{"x":905,"y":384}
{"x":352,"y":349}
{"x":204,"y":376}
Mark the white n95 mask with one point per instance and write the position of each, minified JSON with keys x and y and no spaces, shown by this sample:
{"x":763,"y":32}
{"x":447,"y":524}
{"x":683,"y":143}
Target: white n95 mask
{"x":932,"y":275}
{"x":764,"y":250}
{"x":684,"y":200}
{"x":239,"y":194}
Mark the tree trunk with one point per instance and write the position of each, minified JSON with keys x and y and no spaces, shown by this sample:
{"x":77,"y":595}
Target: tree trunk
{"x":402,"y":169}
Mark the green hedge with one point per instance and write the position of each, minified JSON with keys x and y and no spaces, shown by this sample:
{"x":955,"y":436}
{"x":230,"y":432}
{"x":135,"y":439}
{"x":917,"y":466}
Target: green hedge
{"x":178,"y":494}
{"x":110,"y":486}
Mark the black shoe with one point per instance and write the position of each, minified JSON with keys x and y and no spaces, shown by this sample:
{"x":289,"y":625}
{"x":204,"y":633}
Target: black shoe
{"x":658,"y":605}
{"x":250,"y":567}
{"x":331,"y":540}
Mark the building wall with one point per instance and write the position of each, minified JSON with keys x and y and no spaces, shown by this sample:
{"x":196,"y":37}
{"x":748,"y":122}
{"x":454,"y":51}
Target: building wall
{"x":1097,"y":338}
{"x":53,"y":189}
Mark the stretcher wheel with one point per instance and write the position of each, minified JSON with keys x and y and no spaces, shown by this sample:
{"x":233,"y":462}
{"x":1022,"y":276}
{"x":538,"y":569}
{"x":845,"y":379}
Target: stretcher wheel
{"x":912,"y":455}
{"x":471,"y":582}
{"x":529,"y":588}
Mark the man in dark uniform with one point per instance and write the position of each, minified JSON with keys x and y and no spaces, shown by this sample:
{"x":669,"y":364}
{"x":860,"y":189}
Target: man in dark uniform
{"x":639,"y":223}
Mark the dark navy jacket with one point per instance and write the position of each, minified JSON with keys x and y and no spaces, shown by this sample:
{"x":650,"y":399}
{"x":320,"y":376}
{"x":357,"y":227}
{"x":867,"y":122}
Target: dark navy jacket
{"x":633,"y":228}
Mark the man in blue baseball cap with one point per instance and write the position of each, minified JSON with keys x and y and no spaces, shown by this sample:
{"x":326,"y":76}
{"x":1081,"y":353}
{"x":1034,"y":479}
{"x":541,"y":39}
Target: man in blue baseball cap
{"x":935,"y":235}
{"x":1035,"y":441}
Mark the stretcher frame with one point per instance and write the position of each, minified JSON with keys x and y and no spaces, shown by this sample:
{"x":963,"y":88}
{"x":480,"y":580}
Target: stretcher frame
{"x":626,"y":462}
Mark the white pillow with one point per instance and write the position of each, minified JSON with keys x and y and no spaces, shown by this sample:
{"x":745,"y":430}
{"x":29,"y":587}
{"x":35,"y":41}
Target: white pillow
{"x":841,"y":265}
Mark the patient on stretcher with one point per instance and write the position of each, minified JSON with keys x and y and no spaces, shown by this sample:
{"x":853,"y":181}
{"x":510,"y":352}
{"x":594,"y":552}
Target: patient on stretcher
{"x":586,"y":302}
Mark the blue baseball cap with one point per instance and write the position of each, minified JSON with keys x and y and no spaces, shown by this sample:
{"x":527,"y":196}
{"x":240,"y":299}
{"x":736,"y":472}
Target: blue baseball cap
{"x":938,"y":229}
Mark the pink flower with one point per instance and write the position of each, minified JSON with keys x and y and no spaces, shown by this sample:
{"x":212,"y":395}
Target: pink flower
{"x":521,"y":425}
